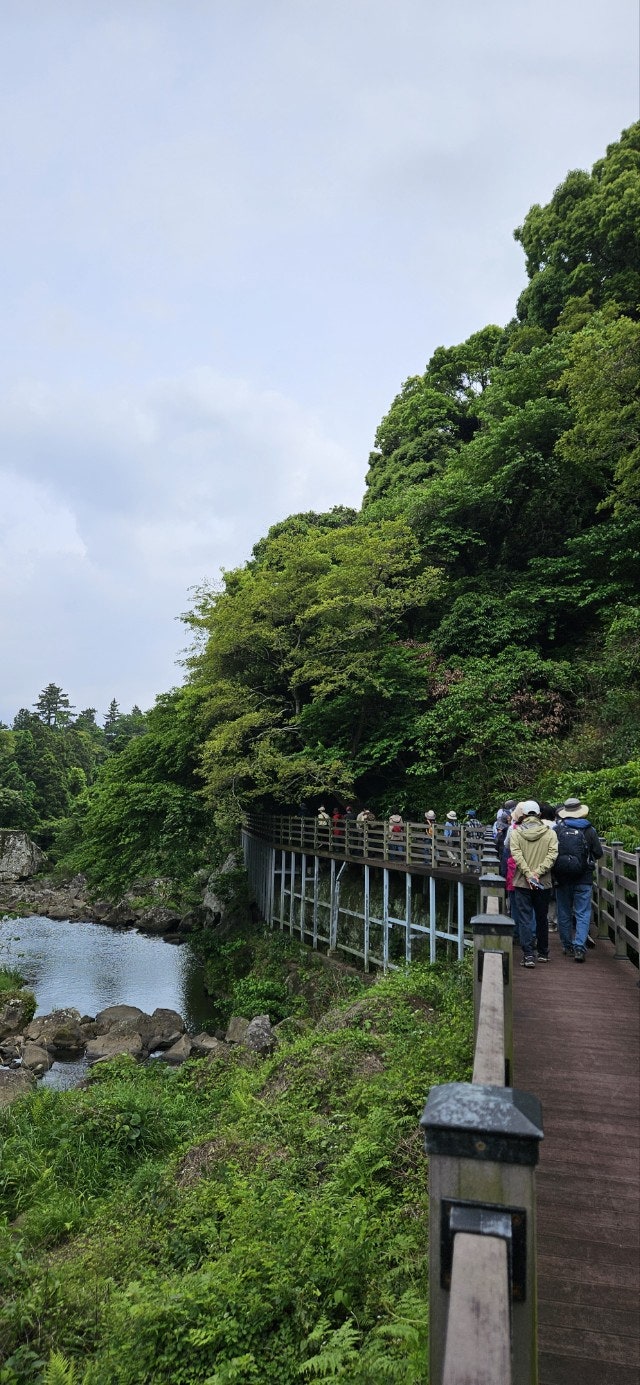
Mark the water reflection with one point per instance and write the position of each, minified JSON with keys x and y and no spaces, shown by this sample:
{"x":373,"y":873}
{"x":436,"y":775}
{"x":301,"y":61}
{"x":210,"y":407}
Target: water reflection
{"x":89,"y":966}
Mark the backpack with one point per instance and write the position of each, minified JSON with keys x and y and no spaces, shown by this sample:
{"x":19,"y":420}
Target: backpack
{"x":573,"y":853}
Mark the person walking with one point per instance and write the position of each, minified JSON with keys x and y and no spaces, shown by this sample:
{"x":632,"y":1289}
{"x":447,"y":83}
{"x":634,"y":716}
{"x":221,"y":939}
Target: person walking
{"x":578,"y":848}
{"x":452,"y":837}
{"x":396,"y":835}
{"x":534,"y":848}
{"x":430,"y":837}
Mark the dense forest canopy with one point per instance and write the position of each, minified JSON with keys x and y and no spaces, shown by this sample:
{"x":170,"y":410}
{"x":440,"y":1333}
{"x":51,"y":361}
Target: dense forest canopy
{"x":473,"y":629}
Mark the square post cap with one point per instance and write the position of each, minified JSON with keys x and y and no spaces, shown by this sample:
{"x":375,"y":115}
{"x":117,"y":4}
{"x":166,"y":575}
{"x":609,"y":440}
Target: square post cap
{"x":493,"y":925}
{"x":467,"y":1121}
{"x":492,"y":881}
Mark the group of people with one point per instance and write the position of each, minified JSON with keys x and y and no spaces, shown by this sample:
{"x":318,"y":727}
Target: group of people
{"x":335,"y":825}
{"x":546,"y":850}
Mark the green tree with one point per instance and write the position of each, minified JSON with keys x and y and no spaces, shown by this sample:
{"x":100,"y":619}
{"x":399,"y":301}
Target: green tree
{"x":586,"y":241}
{"x":297,"y":653}
{"x":112,"y":714}
{"x":53,"y":706}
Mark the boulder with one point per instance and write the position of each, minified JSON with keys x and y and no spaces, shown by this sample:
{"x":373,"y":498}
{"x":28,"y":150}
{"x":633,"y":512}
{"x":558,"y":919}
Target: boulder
{"x":157,"y":919}
{"x":225,"y":901}
{"x":36,"y":1059}
{"x":62,"y":1031}
{"x":14,"y":1015}
{"x":111,"y":1046}
{"x":179,"y":1052}
{"x":11,"y":1048}
{"x":19,"y":856}
{"x":236,"y":1030}
{"x":14,"y":1082}
{"x":162,"y":1029}
{"x":260,"y":1035}
{"x":207,"y":1046}
{"x":115,"y":1014}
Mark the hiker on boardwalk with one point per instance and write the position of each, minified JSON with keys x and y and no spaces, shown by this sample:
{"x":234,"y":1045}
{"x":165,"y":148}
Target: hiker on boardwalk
{"x":534,"y":848}
{"x":396,"y":835}
{"x":452,"y":837}
{"x":363,"y":820}
{"x":324,"y":824}
{"x":578,"y":848}
{"x":430,"y":837}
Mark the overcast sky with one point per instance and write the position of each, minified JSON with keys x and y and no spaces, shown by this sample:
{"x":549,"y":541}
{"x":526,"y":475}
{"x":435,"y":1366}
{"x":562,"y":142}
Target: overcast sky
{"x":230,"y":229}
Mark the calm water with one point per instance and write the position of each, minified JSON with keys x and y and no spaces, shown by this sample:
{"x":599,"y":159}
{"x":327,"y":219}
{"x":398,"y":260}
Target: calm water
{"x":90,"y":966}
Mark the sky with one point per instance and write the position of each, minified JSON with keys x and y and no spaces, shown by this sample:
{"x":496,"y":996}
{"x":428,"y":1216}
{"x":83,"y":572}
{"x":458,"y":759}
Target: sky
{"x":228,"y":234}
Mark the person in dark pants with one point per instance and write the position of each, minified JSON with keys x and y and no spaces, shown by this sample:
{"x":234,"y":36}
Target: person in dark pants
{"x":534,"y":848}
{"x":578,"y":848}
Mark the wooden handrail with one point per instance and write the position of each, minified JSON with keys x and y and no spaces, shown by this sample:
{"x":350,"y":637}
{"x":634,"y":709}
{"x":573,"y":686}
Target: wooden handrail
{"x":488,"y":1062}
{"x":482,"y":1139}
{"x":478,"y":1349}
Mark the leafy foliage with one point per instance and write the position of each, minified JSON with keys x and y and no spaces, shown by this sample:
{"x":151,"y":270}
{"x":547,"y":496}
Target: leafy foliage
{"x":267,"y":1222}
{"x":473,"y":625}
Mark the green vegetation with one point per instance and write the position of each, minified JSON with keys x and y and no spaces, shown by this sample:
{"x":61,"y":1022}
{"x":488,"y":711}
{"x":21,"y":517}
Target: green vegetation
{"x":12,"y":988}
{"x":473,"y":628}
{"x":235,"y":1221}
{"x":49,"y":760}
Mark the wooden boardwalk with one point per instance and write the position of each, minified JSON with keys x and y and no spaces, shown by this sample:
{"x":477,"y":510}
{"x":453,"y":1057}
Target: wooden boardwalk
{"x":577,"y":1047}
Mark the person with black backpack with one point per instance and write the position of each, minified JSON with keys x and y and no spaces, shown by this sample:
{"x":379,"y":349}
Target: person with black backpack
{"x":578,"y":848}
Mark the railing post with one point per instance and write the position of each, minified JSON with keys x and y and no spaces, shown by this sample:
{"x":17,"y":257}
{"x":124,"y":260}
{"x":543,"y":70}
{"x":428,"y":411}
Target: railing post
{"x":493,"y":887}
{"x":600,"y":884}
{"x":494,"y":933}
{"x":483,"y":1145}
{"x":617,"y":890}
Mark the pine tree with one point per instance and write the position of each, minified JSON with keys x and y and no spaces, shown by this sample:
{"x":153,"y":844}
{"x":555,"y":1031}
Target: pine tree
{"x":53,"y":706}
{"x":112,"y":714}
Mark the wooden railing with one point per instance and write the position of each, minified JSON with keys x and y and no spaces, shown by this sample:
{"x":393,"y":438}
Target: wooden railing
{"x":482,"y":1139}
{"x":461,"y":849}
{"x":616,"y":890}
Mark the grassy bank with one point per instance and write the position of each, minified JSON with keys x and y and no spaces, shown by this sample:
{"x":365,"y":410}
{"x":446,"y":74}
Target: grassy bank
{"x":230,"y":1222}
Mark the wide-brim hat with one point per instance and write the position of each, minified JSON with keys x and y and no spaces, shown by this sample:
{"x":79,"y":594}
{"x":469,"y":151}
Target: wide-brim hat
{"x":573,"y":808}
{"x":395,"y":817}
{"x":430,"y":814}
{"x":452,"y":817}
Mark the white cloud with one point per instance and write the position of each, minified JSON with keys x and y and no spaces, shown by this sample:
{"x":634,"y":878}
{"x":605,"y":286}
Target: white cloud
{"x":228,"y":233}
{"x":125,"y":502}
{"x":35,"y":529}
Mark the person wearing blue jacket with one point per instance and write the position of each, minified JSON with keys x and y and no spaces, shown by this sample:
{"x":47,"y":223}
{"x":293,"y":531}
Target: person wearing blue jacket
{"x":578,"y":848}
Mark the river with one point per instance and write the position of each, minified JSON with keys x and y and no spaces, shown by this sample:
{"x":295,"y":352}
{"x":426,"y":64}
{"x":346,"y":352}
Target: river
{"x":90,"y":966}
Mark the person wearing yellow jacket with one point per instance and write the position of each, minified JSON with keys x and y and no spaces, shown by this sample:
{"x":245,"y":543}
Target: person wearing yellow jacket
{"x":534,"y":848}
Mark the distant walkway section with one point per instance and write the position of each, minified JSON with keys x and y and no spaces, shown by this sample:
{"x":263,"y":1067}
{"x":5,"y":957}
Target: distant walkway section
{"x":577,"y":1046}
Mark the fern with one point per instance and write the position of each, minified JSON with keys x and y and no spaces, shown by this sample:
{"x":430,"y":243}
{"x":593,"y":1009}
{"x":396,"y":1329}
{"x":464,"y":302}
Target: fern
{"x":59,"y":1371}
{"x":338,"y":1350}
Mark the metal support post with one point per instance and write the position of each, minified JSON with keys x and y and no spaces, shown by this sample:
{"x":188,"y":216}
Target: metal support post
{"x":460,"y":921}
{"x":385,"y":919}
{"x":303,"y":896}
{"x":367,"y":931}
{"x":332,"y":900}
{"x":407,"y":914}
{"x":316,"y":896}
{"x":432,"y":918}
{"x":292,"y":893}
{"x":283,"y":867}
